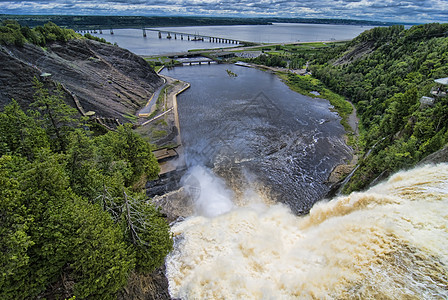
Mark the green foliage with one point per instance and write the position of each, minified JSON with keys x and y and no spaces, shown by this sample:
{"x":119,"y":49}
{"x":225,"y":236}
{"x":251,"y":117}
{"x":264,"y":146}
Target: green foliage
{"x":129,"y":146}
{"x":146,"y":231}
{"x":57,"y":118}
{"x":11,"y":33}
{"x":270,"y":60}
{"x":20,"y":133}
{"x":383,"y":71}
{"x":95,"y":38}
{"x":14,"y":236}
{"x":57,"y":234}
{"x":385,"y":86}
{"x":64,"y":200}
{"x":307,"y":84}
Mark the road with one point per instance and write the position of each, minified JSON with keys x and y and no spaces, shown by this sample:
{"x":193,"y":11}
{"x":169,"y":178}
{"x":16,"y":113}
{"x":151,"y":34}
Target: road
{"x":146,"y":111}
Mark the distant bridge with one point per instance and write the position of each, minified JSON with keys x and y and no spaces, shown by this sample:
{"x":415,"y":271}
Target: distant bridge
{"x":195,"y":37}
{"x":180,"y":35}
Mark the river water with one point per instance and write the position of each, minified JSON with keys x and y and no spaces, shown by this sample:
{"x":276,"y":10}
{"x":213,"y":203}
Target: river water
{"x":278,"y":32}
{"x":133,"y":40}
{"x":259,"y":155}
{"x":253,"y":130}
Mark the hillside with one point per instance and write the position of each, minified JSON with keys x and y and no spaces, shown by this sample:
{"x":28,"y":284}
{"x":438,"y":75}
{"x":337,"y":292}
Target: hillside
{"x":76,"y":222}
{"x":106,"y":79}
{"x":384,"y":72}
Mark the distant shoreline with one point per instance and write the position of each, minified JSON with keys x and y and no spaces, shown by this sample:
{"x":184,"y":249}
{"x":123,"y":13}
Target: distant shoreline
{"x":89,"y":22}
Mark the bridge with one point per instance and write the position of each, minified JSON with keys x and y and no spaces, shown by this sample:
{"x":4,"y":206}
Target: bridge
{"x":179,"y":35}
{"x":195,"y":37}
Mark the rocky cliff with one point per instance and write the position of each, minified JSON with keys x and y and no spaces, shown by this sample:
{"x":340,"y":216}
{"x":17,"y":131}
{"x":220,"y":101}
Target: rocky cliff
{"x":98,"y":77}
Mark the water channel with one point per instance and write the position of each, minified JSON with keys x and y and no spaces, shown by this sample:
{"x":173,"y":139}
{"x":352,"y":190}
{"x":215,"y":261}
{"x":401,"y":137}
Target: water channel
{"x":253,"y":130}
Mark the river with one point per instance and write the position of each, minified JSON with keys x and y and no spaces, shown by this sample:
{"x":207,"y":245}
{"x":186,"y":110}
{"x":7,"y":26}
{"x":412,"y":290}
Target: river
{"x":252,"y":129}
{"x":258,"y":156}
{"x":133,"y":40}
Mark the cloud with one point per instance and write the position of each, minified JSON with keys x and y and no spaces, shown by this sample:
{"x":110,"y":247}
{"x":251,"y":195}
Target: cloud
{"x":382,"y":10}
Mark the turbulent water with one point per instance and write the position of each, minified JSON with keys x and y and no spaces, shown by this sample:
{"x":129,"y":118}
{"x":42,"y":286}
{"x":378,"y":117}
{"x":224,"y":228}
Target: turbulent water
{"x":389,"y":242}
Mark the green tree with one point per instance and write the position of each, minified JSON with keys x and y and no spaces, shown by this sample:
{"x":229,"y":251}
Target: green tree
{"x":15,"y":240}
{"x":147,"y":231}
{"x":20,"y":134}
{"x":86,"y":178}
{"x":58,"y":235}
{"x":136,"y":152}
{"x":57,"y":117}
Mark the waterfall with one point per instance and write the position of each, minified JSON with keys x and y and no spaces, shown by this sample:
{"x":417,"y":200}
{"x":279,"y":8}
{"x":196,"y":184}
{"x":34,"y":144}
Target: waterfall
{"x":388,"y":242}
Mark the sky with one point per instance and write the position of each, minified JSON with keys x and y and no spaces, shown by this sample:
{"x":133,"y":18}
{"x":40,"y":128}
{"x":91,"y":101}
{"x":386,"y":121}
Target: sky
{"x":414,"y":11}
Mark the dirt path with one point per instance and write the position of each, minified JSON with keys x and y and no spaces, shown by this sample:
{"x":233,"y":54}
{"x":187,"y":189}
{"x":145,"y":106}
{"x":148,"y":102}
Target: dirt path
{"x":353,"y":120}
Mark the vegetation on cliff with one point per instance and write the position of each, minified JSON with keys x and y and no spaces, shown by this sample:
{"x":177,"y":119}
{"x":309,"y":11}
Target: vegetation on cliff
{"x":12,"y":33}
{"x":384,"y":72}
{"x":74,"y":220}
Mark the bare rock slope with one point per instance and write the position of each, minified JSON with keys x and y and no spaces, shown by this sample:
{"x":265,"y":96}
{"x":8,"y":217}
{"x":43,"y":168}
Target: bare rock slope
{"x":103,"y":78}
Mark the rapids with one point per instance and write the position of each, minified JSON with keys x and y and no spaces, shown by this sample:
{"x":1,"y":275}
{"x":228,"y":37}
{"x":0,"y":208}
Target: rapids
{"x":390,"y":242}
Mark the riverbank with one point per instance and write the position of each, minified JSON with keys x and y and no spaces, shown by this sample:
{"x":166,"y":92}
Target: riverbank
{"x":161,"y":125}
{"x":302,"y":82}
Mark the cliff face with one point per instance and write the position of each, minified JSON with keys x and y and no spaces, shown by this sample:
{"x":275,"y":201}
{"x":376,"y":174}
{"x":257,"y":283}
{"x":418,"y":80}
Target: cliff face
{"x":103,"y":78}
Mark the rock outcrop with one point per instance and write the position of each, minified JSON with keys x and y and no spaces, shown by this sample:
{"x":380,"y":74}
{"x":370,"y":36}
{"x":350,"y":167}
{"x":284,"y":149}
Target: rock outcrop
{"x":103,"y":78}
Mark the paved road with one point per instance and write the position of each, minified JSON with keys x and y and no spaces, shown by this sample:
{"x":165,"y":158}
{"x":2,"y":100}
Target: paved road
{"x":147,"y":109}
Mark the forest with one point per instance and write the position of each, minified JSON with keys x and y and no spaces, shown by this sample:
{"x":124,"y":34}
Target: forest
{"x":384,"y":72}
{"x":108,"y":22}
{"x":75,"y":219}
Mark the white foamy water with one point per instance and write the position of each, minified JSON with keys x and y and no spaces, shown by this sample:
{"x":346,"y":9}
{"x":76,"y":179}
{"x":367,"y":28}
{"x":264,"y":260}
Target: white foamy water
{"x":390,"y":242}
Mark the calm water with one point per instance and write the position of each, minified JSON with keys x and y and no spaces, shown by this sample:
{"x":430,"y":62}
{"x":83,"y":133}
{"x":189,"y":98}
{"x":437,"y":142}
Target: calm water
{"x":278,"y":32}
{"x":133,"y":40}
{"x":253,"y":128}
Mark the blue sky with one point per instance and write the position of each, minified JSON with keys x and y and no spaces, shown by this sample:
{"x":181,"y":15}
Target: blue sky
{"x":415,"y":11}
